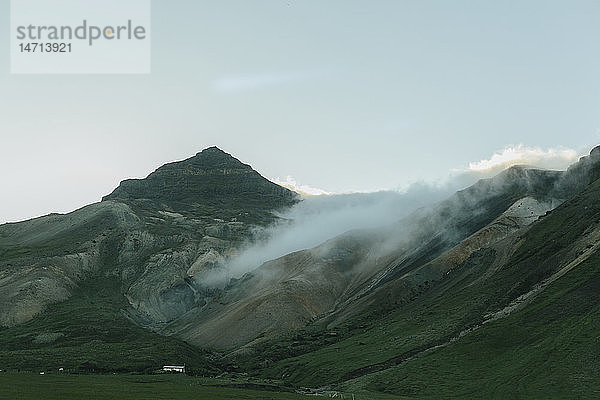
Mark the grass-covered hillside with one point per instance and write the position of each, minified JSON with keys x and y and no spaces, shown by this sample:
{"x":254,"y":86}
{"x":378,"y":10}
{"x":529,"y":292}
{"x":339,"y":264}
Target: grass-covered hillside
{"x":89,"y":333}
{"x":519,"y":319}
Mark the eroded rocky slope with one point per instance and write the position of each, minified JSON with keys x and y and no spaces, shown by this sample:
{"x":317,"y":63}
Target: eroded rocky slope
{"x":363,"y":271}
{"x":155,"y":236}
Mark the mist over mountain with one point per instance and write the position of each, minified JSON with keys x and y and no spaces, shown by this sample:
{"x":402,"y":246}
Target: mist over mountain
{"x":318,"y":218}
{"x":208,"y":263}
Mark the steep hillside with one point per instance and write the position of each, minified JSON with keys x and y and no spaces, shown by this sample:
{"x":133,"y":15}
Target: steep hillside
{"x":516,"y":317}
{"x":128,"y":260}
{"x":529,"y":307}
{"x":281,"y":296}
{"x":43,"y":260}
{"x":364,"y":272}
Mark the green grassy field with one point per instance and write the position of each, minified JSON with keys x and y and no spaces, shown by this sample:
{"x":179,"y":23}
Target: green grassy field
{"x":88,"y":333}
{"x":24,"y":386}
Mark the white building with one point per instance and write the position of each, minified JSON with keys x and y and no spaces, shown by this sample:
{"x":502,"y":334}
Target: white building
{"x":174,"y":368}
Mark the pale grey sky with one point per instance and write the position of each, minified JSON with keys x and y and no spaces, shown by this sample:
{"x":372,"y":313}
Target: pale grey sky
{"x":341,"y":95}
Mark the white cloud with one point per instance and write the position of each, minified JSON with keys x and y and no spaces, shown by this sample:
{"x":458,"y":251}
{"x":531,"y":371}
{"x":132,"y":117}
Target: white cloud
{"x":320,"y":218}
{"x":291,"y":183}
{"x":553,"y":158}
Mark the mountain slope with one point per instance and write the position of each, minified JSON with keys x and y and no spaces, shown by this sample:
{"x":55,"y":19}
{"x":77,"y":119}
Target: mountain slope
{"x":485,"y":287}
{"x":539,"y":336}
{"x":516,"y":318}
{"x":367,"y":271}
{"x":126,"y":261}
{"x":43,"y":260}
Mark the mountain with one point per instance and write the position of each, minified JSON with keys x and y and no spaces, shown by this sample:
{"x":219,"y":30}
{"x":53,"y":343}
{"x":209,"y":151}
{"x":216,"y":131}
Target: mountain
{"x":492,"y":292}
{"x":510,"y":311}
{"x":208,"y":184}
{"x":125,"y":262}
{"x":362,"y":271}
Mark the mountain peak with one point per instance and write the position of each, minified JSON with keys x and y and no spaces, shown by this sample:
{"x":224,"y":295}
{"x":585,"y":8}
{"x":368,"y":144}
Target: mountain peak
{"x":207,"y":159}
{"x":212,"y":179}
{"x":211,"y":149}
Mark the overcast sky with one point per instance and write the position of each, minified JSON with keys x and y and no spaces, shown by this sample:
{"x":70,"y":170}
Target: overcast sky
{"x":339,"y":95}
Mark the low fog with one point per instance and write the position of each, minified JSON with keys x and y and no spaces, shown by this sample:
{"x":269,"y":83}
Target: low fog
{"x":317,"y":219}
